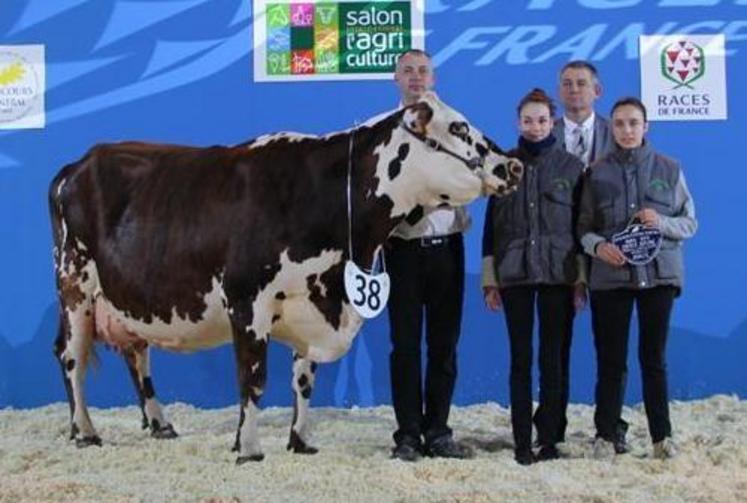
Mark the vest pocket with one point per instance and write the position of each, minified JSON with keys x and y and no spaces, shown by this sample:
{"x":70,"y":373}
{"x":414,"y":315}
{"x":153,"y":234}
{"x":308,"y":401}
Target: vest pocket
{"x":513,"y":265}
{"x":603,"y":274}
{"x":661,"y":201}
{"x":563,"y":268}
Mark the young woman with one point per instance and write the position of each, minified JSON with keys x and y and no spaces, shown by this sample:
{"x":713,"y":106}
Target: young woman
{"x":633,"y":183}
{"x":530,"y":262}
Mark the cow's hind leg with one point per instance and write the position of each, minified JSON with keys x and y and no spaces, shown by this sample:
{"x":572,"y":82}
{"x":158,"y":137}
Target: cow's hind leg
{"x":138,"y":363}
{"x":250,"y":345}
{"x":303,"y":383}
{"x":73,"y":349}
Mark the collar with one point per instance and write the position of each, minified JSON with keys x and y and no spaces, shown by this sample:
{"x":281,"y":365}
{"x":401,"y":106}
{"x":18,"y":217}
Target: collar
{"x":633,"y":155}
{"x":587,"y":125}
{"x":536,"y":148}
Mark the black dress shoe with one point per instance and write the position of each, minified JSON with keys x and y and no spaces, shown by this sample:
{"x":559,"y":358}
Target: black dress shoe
{"x":621,"y":446}
{"x":446,"y":447}
{"x":547,"y":453}
{"x":406,"y":452}
{"x":524,"y":456}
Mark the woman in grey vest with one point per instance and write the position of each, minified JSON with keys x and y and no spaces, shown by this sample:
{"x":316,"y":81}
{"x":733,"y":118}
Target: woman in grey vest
{"x":530,"y":262}
{"x":633,"y":183}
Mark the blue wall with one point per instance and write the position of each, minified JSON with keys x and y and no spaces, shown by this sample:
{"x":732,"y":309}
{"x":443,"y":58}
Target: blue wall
{"x":179,"y":71}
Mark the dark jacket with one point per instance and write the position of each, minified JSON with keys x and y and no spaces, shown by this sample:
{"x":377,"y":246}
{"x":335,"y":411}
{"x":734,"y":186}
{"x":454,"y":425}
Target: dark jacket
{"x":619,"y":185}
{"x":529,"y":235}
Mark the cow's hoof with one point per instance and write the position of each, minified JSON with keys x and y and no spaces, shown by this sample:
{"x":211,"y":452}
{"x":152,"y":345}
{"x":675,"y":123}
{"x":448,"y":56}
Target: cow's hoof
{"x":87,"y":441}
{"x":245,"y":459}
{"x":298,"y":446}
{"x":165,"y":432}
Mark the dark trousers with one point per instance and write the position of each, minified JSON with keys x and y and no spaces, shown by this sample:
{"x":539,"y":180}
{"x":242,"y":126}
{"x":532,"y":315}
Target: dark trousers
{"x":427,"y":280}
{"x":611,"y":311}
{"x":555,"y":309}
{"x":565,"y":372}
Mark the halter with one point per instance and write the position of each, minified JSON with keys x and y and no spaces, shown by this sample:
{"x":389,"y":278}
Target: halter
{"x":473,"y":164}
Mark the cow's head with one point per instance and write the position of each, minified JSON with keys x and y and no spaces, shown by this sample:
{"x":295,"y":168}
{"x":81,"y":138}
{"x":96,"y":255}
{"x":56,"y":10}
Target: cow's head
{"x":457,"y":162}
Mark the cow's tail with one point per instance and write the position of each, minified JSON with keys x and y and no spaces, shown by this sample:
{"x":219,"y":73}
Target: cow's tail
{"x":55,"y":212}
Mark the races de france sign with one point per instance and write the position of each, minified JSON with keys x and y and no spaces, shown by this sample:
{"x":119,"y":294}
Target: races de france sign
{"x":22,"y":84}
{"x":296,"y":40}
{"x":683,"y":77}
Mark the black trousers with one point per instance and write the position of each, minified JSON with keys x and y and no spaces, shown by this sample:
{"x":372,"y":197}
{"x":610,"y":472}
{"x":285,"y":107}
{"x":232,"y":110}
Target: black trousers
{"x":611,"y":312}
{"x":427,"y":281}
{"x":554,"y":304}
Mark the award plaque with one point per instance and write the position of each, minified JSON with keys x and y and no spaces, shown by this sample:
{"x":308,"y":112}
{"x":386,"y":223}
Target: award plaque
{"x":639,"y":244}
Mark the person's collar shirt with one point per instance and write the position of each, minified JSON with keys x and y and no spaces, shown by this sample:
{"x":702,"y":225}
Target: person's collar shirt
{"x":579,"y":138}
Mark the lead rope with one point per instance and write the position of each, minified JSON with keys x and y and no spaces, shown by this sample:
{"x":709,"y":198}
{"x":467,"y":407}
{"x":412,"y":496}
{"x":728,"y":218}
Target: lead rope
{"x":350,"y":204}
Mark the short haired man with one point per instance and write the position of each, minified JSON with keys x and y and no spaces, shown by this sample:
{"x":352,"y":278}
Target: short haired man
{"x":425,"y":260}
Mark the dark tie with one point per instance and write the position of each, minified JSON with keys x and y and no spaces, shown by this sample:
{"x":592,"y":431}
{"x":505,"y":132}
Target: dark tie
{"x":579,"y":144}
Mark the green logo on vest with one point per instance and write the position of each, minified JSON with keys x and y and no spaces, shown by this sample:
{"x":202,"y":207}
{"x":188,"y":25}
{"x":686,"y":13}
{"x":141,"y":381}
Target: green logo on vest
{"x":561,"y":184}
{"x":658,"y":185}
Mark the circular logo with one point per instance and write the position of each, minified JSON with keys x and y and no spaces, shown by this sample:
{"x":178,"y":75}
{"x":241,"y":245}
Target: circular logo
{"x":683,"y":62}
{"x":19,"y":86}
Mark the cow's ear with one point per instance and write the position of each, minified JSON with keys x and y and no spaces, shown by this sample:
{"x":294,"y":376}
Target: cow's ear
{"x":423,"y":115}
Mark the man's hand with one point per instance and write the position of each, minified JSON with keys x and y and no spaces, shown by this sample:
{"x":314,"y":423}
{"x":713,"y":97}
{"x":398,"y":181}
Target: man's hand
{"x":610,"y":254}
{"x":492,"y":298}
{"x":648,"y":217}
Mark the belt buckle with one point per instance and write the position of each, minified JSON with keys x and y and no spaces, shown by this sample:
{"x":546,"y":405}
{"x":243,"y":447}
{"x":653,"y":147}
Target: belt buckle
{"x":427,"y":242}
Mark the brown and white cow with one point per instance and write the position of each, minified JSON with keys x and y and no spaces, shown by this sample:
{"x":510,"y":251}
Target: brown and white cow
{"x":188,"y":248}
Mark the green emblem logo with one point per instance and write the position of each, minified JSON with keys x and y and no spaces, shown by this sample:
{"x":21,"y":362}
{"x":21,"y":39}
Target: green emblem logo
{"x":562,"y":184}
{"x":659,"y":185}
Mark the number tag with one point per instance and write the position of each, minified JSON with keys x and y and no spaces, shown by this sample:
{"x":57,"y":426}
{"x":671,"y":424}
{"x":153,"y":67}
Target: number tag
{"x":367,"y":293}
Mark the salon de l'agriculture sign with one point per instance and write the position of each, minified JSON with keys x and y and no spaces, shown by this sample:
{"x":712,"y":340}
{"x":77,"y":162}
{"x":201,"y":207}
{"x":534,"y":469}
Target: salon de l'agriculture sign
{"x":323,"y":40}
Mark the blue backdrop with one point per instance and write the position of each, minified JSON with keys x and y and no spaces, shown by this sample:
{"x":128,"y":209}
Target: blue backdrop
{"x":179,"y":71}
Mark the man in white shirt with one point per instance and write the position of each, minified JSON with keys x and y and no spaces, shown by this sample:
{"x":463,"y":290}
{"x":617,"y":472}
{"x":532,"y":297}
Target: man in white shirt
{"x":582,"y":131}
{"x":588,"y":136}
{"x":425,"y":260}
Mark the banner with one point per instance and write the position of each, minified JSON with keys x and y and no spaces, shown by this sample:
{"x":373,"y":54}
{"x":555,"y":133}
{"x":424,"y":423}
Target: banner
{"x":22,"y":84}
{"x":323,"y":40}
{"x":683,"y":77}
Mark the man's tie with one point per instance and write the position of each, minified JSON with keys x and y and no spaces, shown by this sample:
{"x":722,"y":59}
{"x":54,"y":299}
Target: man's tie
{"x":579,"y":144}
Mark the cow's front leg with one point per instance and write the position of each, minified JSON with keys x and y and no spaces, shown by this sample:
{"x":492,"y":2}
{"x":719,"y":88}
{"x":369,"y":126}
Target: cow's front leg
{"x":303,"y":383}
{"x":138,"y":363}
{"x":250,"y":344}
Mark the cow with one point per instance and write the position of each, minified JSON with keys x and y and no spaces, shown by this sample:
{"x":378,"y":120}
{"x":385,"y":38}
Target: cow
{"x":186,"y":248}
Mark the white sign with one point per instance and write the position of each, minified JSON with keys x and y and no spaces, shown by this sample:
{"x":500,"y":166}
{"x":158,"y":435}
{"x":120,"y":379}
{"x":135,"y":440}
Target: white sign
{"x":683,"y":77}
{"x":22,"y":84}
{"x":367,"y":293}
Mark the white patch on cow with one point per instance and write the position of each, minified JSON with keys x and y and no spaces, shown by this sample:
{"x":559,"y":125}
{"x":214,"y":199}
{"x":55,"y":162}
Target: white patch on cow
{"x":60,"y":266}
{"x":302,"y":367}
{"x":60,"y":186}
{"x":398,"y":190}
{"x":255,"y":367}
{"x":290,"y":136}
{"x":180,"y":334}
{"x":301,"y":324}
{"x":80,"y":246}
{"x":249,"y":435}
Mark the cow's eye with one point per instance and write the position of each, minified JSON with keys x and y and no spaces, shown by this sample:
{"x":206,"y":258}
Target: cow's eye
{"x":432,"y":144}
